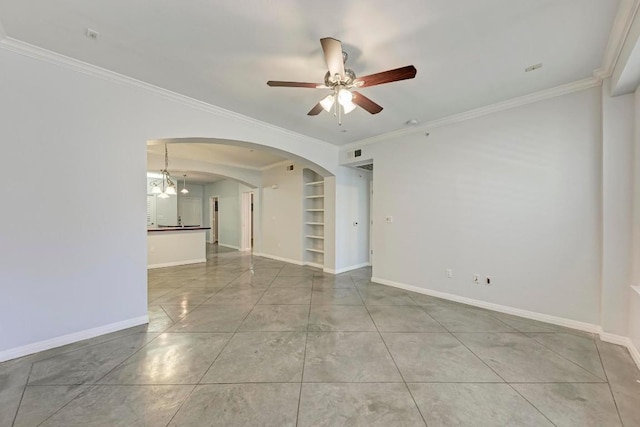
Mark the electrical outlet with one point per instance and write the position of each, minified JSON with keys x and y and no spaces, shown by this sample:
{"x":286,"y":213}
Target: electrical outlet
{"x":476,"y":279}
{"x":449,"y":273}
{"x":389,"y":219}
{"x":487,"y":280}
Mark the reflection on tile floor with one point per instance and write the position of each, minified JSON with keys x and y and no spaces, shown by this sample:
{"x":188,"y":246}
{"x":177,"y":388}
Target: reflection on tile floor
{"x":244,"y":340}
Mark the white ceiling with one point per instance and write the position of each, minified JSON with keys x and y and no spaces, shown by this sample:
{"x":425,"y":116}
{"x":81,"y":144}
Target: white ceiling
{"x":193,"y":177}
{"x":469,"y":53}
{"x":216,"y":154}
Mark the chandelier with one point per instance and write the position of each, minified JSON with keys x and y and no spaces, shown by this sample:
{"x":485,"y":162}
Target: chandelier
{"x":168,"y":185}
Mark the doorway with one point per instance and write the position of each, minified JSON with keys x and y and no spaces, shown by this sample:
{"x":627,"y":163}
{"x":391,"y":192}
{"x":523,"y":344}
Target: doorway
{"x":213,"y":208}
{"x":246,"y":215}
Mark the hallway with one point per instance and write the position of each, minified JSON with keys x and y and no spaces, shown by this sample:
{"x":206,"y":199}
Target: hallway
{"x":243,"y":340}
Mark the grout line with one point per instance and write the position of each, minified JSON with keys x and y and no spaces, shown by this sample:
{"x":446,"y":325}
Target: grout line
{"x":571,"y":361}
{"x":479,"y":358}
{"x":502,"y":378}
{"x":304,"y":357}
{"x":24,"y":389}
{"x":89,"y":387}
{"x":182,"y":404}
{"x":391,"y":355}
{"x":609,"y":383}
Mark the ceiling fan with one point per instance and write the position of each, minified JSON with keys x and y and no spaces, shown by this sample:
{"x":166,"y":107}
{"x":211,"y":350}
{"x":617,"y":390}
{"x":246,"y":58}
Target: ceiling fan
{"x":342,"y":81}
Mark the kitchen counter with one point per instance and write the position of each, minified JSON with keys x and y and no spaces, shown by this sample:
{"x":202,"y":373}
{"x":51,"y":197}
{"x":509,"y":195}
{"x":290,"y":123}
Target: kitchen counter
{"x":185,"y":228}
{"x":169,"y":246}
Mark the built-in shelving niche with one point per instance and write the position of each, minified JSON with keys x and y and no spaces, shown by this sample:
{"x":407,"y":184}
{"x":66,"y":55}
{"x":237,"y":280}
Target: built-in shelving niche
{"x":313,"y":218}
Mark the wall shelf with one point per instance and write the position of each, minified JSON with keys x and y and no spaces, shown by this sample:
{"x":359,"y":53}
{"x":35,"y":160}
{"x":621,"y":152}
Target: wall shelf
{"x":313,"y":218}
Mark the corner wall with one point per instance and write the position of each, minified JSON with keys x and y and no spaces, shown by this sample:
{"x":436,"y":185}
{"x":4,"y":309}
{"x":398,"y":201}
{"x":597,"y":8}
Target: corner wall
{"x":282,"y":213}
{"x":515,"y":195}
{"x":75,"y":263}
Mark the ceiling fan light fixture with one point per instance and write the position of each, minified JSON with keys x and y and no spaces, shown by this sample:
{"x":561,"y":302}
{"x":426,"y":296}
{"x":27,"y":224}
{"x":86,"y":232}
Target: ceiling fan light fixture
{"x":344,"y":96}
{"x":327,"y":103}
{"x":348,"y":106}
{"x":342,"y":80}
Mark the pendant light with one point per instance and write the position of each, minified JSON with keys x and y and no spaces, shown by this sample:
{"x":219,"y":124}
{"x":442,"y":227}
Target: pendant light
{"x":168,"y":185}
{"x":184,"y":185}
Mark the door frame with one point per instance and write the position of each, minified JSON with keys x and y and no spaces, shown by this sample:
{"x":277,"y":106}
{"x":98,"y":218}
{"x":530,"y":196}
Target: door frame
{"x":212,"y":219}
{"x":246,"y":221}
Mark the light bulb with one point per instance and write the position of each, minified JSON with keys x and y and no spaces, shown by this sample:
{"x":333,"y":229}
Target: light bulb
{"x":344,"y":97}
{"x":327,"y":103}
{"x":184,"y":191}
{"x":348,"y":106}
{"x":171,"y":190}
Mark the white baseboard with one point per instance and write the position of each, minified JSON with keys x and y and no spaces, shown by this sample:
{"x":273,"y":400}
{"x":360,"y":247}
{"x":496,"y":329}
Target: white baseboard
{"x":277,"y":258}
{"x":313,"y":264}
{"x":345,"y":269}
{"x":224,"y":245}
{"x":560,"y":321}
{"x":14,"y":353}
{"x":174,"y":263}
{"x":623,"y":341}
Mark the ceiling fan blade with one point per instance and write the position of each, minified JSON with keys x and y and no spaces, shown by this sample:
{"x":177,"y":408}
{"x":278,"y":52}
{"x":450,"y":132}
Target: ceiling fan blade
{"x":333,"y":55}
{"x":317,"y":109}
{"x":403,"y":73}
{"x":364,"y":102}
{"x":275,"y":83}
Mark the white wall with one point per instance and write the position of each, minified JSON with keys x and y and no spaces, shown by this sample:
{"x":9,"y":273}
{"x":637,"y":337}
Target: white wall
{"x":514,"y":195}
{"x":352,"y":205}
{"x":228,"y":193}
{"x":196,"y":191}
{"x":74,"y":266}
{"x":633,"y":327}
{"x":281,"y":211}
{"x":617,"y":209}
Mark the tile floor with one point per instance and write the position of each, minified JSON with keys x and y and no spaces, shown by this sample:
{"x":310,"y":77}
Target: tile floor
{"x":255,"y":342}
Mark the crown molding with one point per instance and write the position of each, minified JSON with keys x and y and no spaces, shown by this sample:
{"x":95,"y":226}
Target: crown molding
{"x":627,"y":12}
{"x":531,"y":98}
{"x":38,"y":53}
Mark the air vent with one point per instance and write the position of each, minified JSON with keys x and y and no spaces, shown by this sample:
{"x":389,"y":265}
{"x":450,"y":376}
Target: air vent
{"x":289,"y":167}
{"x":368,"y":167}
